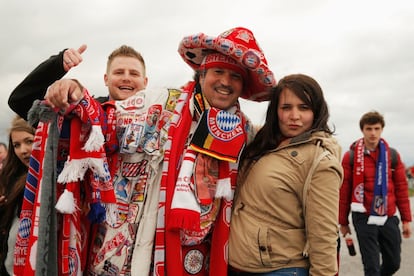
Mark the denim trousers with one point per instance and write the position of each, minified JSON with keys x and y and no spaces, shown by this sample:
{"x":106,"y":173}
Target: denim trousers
{"x":291,"y":271}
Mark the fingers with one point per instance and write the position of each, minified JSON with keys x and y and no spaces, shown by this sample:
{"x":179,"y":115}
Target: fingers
{"x":82,"y":48}
{"x":345,"y":229}
{"x":62,"y":93}
{"x":406,"y":230}
{"x":72,"y":57}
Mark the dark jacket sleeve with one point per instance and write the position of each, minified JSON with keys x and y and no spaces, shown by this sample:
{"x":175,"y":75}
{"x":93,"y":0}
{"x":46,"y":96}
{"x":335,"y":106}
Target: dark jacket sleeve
{"x":34,"y":86}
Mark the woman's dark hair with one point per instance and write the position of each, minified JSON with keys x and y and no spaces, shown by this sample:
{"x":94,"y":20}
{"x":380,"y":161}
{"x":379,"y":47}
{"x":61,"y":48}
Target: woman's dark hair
{"x":270,"y":136}
{"x":12,"y":180}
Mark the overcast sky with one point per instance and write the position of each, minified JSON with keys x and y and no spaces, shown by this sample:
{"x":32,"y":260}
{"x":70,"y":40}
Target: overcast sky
{"x":360,"y":51}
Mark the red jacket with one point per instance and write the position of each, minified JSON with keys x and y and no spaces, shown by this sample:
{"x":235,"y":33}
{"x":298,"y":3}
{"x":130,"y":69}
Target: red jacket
{"x":397,"y":188}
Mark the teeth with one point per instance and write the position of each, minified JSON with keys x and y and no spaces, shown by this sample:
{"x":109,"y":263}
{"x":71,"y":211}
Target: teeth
{"x":224,"y":92}
{"x":128,"y":88}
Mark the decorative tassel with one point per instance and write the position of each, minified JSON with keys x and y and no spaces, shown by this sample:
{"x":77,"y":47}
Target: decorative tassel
{"x":223,"y":189}
{"x":66,"y":203}
{"x":95,"y":140}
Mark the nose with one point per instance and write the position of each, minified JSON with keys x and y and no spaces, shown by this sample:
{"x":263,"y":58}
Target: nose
{"x":126,"y":76}
{"x":295,"y":114}
{"x":226,"y":79}
{"x":26,"y":149}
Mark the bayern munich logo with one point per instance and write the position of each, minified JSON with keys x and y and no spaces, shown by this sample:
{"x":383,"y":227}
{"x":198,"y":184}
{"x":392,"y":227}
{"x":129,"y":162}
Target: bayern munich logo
{"x":224,"y":125}
{"x":193,"y":261}
{"x":359,"y":192}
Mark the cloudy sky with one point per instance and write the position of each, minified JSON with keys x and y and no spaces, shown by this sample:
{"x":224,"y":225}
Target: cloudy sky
{"x":361,"y":52}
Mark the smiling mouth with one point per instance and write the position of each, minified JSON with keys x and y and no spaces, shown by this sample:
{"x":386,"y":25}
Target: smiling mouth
{"x":223,"y":91}
{"x":128,"y":88}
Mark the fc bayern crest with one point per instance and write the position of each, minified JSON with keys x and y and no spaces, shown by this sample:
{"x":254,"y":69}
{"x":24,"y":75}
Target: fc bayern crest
{"x":251,"y":59}
{"x":224,"y":125}
{"x":359,"y":192}
{"x":193,"y":261}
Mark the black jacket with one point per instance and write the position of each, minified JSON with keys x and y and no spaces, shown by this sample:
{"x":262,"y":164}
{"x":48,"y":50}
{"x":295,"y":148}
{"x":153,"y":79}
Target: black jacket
{"x":34,"y":86}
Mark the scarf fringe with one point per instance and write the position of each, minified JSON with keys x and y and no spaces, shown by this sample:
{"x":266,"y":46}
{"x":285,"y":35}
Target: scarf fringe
{"x":96,"y":139}
{"x":377,"y":220}
{"x":99,"y":166}
{"x":223,"y":189}
{"x":184,"y":219}
{"x":358,"y":207}
{"x":75,"y":169}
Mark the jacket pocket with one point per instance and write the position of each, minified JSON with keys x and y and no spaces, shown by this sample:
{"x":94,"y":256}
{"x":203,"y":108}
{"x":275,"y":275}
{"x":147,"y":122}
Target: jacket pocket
{"x":280,"y":246}
{"x":265,"y":248}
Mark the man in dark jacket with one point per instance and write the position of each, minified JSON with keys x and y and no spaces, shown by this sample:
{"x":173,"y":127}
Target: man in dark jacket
{"x":125,"y":75}
{"x":373,"y":190}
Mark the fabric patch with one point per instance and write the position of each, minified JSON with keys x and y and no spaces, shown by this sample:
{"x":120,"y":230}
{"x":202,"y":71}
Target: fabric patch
{"x":130,"y":169}
{"x":122,"y":188}
{"x":150,"y":142}
{"x":131,"y":138}
{"x":173,"y":96}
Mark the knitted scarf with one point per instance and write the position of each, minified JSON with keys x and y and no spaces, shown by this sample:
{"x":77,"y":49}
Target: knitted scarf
{"x":378,"y":212}
{"x":196,"y":213}
{"x":84,"y":180}
{"x":36,"y":241}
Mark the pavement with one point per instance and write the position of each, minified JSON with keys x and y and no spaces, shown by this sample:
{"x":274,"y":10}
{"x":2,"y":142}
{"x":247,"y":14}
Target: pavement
{"x":352,"y":265}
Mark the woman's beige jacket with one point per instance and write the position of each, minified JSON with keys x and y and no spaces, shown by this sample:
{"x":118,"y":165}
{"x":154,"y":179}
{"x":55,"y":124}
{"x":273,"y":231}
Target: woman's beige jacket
{"x":269,"y":229}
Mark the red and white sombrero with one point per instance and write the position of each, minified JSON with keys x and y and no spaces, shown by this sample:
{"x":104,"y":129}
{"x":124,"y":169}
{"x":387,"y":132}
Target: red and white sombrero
{"x":239,"y":44}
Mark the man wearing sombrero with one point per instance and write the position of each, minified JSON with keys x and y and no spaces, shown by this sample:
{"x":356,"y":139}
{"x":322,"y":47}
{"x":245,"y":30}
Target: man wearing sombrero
{"x":184,"y":164}
{"x":199,"y":194}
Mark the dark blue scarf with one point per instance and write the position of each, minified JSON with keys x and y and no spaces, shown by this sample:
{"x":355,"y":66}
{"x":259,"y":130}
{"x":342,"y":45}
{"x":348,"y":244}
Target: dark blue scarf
{"x":378,"y":214}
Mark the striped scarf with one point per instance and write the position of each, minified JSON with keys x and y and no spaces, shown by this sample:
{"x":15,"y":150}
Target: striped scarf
{"x":68,"y":152}
{"x":36,"y":241}
{"x":200,"y":236}
{"x":378,"y":212}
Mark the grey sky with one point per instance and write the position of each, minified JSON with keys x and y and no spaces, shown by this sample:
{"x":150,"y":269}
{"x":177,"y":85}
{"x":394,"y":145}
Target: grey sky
{"x":361,"y":52}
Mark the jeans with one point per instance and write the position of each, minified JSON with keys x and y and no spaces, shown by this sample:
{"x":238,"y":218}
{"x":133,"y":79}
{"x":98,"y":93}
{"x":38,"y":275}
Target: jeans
{"x":291,"y":271}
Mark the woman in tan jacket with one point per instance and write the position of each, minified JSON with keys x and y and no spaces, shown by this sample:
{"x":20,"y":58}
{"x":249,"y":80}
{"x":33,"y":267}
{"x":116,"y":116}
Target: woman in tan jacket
{"x":284,"y":221}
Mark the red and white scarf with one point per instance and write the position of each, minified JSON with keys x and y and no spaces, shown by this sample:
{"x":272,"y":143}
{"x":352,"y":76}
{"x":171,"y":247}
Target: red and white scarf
{"x":378,"y":211}
{"x":85,"y":172}
{"x":186,"y":222}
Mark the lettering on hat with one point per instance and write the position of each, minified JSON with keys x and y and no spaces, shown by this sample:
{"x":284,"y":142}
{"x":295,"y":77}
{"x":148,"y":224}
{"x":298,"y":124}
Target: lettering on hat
{"x":222,"y":61}
{"x":217,"y":57}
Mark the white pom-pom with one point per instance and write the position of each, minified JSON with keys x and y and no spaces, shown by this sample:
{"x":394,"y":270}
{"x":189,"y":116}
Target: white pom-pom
{"x":95,"y":140}
{"x":66,"y":203}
